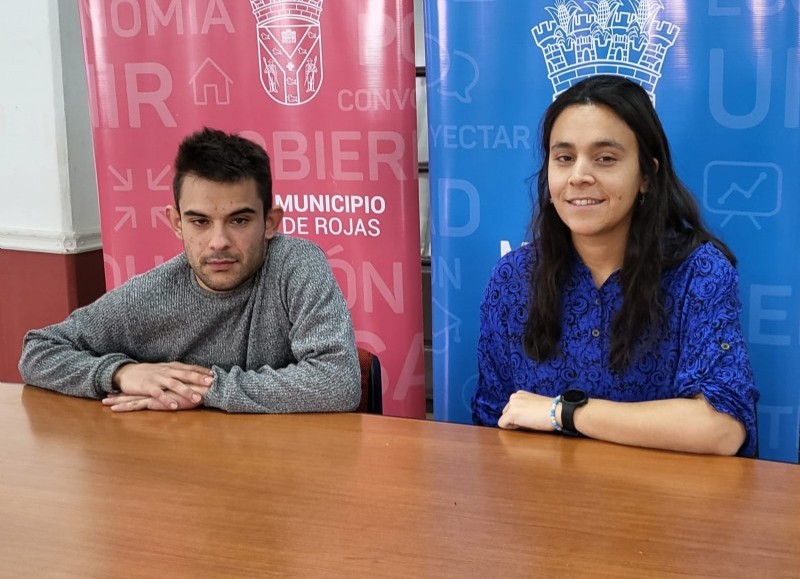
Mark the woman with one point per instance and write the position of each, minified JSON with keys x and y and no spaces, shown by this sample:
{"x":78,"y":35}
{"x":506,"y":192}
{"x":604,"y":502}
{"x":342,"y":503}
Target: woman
{"x":620,"y":321}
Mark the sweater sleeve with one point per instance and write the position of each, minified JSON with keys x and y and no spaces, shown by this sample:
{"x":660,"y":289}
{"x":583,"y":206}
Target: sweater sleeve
{"x":326,"y":375}
{"x":78,"y":356}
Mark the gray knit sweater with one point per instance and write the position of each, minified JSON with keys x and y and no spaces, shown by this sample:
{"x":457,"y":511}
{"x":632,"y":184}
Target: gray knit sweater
{"x":282,"y":342}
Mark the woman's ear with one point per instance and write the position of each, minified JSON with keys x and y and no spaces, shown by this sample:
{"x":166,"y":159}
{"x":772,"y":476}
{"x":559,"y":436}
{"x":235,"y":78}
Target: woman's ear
{"x":645,"y":182}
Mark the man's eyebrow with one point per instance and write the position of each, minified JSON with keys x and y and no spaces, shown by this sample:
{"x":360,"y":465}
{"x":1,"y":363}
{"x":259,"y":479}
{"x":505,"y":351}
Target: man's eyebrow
{"x":192,"y":213}
{"x":242,"y":211}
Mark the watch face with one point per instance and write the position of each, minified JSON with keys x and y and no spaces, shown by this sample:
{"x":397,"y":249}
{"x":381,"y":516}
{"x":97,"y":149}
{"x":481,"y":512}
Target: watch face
{"x":574,"y":396}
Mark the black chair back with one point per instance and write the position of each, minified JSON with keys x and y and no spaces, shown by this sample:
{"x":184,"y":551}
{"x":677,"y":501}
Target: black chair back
{"x":371,"y":386}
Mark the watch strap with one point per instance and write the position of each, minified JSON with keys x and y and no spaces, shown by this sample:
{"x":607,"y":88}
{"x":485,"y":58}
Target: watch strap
{"x":567,"y":421}
{"x":568,"y":407}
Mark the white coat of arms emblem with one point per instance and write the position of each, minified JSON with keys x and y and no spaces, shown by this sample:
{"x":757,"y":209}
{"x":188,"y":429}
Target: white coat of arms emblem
{"x":289,"y":48}
{"x":601,"y":37}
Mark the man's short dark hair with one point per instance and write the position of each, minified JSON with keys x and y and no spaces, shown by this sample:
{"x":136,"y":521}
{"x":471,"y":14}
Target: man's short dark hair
{"x":223,"y":158}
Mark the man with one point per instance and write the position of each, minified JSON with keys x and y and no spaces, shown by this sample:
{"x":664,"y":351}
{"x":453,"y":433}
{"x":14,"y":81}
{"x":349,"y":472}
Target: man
{"x":245,"y":320}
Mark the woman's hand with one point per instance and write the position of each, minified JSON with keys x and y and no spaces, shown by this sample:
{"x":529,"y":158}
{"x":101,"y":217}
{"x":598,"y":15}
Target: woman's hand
{"x":528,"y":410}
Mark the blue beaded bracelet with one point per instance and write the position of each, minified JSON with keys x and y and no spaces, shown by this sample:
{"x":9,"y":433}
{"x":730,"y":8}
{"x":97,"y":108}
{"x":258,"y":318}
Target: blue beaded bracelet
{"x":553,"y":406}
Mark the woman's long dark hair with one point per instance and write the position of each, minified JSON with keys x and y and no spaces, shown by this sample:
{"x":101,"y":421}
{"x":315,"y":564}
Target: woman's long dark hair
{"x":666,"y":227}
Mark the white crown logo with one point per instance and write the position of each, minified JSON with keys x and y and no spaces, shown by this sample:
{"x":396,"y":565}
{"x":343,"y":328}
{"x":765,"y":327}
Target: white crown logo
{"x":604,"y":40}
{"x":289,"y":48}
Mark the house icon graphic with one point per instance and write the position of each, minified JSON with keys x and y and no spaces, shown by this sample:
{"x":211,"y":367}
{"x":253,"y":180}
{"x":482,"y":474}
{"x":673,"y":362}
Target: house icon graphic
{"x":211,"y":81}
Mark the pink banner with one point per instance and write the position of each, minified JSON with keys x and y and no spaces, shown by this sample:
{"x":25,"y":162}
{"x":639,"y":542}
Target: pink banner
{"x":328,"y":88}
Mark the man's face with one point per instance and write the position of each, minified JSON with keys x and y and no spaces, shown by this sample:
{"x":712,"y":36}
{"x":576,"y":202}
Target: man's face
{"x":224,"y":230}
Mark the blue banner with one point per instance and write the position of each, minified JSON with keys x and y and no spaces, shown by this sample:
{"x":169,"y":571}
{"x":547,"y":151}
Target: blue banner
{"x":725,"y":78}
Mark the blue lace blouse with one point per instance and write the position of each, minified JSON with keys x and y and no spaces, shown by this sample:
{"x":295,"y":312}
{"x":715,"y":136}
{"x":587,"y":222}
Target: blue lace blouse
{"x":701,"y":350}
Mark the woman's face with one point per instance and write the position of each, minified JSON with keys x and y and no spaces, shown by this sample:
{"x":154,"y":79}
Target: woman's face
{"x":593,"y":174}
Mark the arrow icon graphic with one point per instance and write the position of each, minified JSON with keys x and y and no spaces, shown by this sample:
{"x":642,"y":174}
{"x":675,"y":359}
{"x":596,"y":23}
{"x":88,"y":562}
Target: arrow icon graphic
{"x":128,"y":214}
{"x":126,"y":183}
{"x":154,"y":183}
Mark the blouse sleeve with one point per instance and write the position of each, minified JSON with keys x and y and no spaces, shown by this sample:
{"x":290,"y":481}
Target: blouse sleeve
{"x":504,"y":300}
{"x":713,"y":354}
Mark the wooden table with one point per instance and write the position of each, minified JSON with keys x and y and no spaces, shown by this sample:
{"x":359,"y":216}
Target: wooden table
{"x":84,"y":493}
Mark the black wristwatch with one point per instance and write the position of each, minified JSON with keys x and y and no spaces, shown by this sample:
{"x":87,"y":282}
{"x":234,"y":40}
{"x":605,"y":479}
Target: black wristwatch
{"x":570,"y":400}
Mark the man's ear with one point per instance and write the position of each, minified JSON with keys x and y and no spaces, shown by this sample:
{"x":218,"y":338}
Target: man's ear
{"x":273,"y":222}
{"x":174,"y":217}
